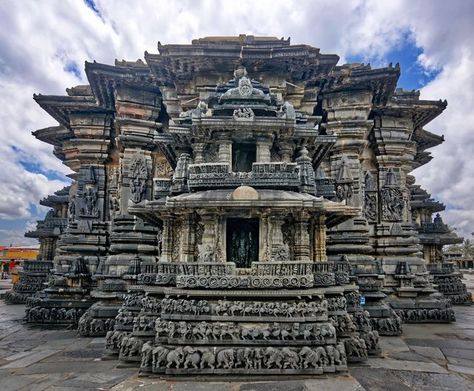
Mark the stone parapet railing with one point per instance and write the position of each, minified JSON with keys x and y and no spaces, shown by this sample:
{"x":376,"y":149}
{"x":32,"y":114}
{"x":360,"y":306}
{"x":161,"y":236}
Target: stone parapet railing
{"x":267,"y":175}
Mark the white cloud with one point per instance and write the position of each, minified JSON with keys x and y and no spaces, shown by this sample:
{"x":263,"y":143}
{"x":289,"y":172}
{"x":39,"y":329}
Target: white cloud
{"x":38,"y":40}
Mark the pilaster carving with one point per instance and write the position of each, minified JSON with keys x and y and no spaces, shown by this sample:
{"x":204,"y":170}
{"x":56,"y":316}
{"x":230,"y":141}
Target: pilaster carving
{"x":138,"y":178}
{"x":392,"y":198}
{"x":370,"y":198}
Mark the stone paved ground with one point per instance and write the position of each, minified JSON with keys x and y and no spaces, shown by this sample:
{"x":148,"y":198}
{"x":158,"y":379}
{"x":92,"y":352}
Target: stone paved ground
{"x":427,"y":357}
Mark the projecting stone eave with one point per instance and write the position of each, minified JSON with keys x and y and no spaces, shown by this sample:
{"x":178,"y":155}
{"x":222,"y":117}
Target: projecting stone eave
{"x":59,"y":197}
{"x":242,"y":39}
{"x":421,"y":111}
{"x":104,"y":79}
{"x":420,"y":198}
{"x":33,"y":234}
{"x":335,"y":212}
{"x":425,"y":139}
{"x":380,"y":81}
{"x":209,"y":56}
{"x":54,"y":135}
{"x":421,"y":158}
{"x":437,"y":238}
{"x":60,"y":107}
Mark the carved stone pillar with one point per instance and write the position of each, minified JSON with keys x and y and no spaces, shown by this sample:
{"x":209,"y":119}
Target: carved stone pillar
{"x":167,"y":239}
{"x":264,"y":150}
{"x":265,"y":237}
{"x":225,"y":151}
{"x":301,"y":246}
{"x":286,"y":152}
{"x":198,"y":153}
{"x":209,"y":239}
{"x":276,"y":240}
{"x":188,"y":238}
{"x":319,"y":239}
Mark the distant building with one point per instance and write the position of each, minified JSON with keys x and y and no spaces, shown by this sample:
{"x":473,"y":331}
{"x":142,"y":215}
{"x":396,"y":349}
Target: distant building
{"x":18,"y":253}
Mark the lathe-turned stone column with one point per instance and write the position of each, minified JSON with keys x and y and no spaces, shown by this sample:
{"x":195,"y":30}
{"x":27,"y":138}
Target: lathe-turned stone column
{"x":188,"y":238}
{"x":319,"y":239}
{"x":167,"y":239}
{"x":264,"y":146}
{"x":198,"y":153}
{"x":302,"y":245}
{"x":225,"y":151}
{"x":279,"y":251}
{"x":286,"y":152}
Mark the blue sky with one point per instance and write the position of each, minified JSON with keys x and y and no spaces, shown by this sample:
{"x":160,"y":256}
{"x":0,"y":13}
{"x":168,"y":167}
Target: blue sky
{"x":413,"y":76}
{"x":43,"y":47}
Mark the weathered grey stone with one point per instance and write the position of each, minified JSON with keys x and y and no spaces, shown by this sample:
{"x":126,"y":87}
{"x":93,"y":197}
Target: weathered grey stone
{"x":405,"y":365}
{"x":277,"y":386}
{"x":30,"y":359}
{"x":462,"y":369}
{"x":429,"y":352}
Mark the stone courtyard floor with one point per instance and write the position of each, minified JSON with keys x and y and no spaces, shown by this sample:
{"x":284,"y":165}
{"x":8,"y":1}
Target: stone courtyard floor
{"x":428,"y":357}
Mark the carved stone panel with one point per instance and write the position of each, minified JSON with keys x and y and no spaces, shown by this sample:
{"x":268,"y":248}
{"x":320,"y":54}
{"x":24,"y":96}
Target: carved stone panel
{"x":138,"y":173}
{"x":370,"y":198}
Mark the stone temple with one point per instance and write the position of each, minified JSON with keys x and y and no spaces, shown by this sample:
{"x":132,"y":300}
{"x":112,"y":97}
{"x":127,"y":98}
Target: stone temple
{"x":241,"y":205}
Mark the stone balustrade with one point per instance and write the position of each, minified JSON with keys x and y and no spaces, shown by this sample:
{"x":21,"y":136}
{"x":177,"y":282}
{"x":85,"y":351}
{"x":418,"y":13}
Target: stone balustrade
{"x":264,"y":175}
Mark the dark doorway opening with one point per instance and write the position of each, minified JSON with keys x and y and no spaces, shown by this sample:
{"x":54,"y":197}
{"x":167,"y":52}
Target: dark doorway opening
{"x":242,"y":241}
{"x":243,"y":155}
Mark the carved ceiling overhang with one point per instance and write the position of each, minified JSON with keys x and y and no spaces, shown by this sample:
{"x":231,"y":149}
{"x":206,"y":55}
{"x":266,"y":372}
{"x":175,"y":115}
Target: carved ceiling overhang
{"x":54,"y":135}
{"x":420,"y":198}
{"x":425,"y":139}
{"x":221,"y":202}
{"x":60,"y":107}
{"x":380,"y":81}
{"x":421,"y":158}
{"x":58,"y":198}
{"x":421,"y":112}
{"x":296,"y":63}
{"x":104,"y":79}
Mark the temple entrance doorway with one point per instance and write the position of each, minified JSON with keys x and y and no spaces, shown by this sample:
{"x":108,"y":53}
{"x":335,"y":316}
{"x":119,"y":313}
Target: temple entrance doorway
{"x":242,"y":241}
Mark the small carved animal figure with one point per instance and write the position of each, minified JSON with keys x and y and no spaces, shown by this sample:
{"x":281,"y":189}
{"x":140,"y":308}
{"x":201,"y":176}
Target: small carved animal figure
{"x":290,"y":358}
{"x":312,"y":358}
{"x":160,"y":354}
{"x":192,"y":357}
{"x":225,"y":358}
{"x":273,"y":358}
{"x":208,"y":359}
{"x":175,"y":357}
{"x":147,"y":352}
